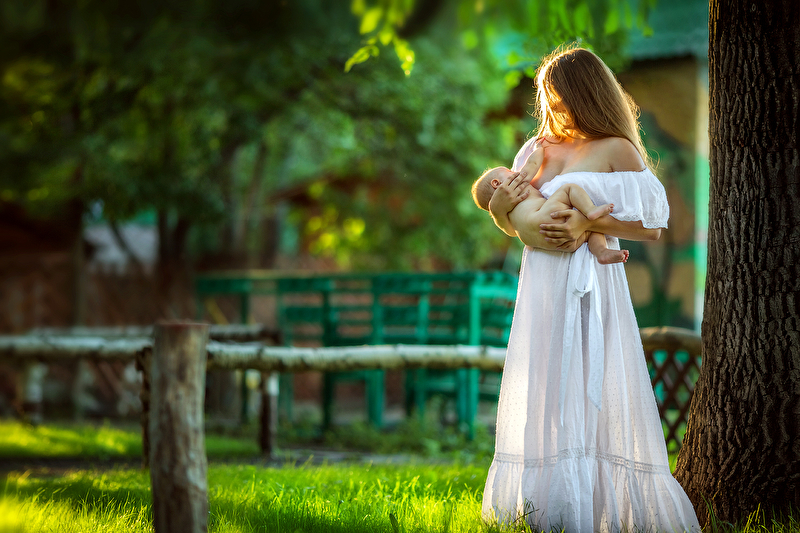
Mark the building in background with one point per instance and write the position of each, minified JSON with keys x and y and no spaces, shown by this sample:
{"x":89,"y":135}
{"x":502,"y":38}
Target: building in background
{"x":669,"y":80}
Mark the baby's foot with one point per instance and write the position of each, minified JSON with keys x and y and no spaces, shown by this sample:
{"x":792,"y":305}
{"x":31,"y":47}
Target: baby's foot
{"x":599,"y":211}
{"x":609,"y":257}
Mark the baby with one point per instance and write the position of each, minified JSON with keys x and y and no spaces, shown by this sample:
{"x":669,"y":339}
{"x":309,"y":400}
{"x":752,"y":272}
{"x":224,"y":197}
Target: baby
{"x":522,"y":217}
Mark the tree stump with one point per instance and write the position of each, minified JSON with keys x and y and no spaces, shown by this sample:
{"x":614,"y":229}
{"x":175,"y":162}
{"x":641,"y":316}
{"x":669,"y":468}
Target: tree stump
{"x":178,"y":463}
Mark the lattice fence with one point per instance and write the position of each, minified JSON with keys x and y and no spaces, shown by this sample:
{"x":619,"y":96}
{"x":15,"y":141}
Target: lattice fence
{"x":674,"y":357}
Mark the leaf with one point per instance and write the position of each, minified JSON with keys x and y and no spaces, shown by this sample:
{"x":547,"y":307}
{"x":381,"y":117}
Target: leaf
{"x":628,"y":15}
{"x":612,"y":21}
{"x":386,"y":34}
{"x":370,"y":20}
{"x":579,"y":20}
{"x":469,"y":39}
{"x":512,"y":78}
{"x":405,"y":54}
{"x":583,"y":20}
{"x":395,"y":523}
{"x":357,"y":7}
{"x":563,"y":18}
{"x":361,"y":55}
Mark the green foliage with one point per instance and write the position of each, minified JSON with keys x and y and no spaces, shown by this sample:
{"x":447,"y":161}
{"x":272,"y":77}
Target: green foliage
{"x":220,"y":116}
{"x":537,"y":25}
{"x":231,"y":118}
{"x":401,"y":154}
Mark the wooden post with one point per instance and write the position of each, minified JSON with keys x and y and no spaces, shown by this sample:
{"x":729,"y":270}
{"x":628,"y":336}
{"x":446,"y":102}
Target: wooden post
{"x":178,"y":463}
{"x":32,"y":391}
{"x":144,"y":363}
{"x":269,"y":412}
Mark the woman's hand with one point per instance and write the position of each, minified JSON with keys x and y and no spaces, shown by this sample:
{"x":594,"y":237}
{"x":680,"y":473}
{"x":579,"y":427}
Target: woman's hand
{"x":564,"y":233}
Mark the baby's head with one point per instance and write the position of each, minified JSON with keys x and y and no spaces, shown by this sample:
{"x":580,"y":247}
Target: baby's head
{"x":484,"y":187}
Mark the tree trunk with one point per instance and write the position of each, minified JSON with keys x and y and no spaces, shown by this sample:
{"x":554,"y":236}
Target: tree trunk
{"x":178,"y":464}
{"x":742,"y":445}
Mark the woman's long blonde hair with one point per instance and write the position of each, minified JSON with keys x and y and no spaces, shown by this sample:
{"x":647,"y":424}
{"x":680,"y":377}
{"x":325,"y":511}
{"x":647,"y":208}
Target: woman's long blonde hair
{"x":578,"y":94}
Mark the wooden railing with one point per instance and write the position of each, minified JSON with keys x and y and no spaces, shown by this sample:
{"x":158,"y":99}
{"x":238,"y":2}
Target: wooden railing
{"x":174,"y":364}
{"x":673,"y":356}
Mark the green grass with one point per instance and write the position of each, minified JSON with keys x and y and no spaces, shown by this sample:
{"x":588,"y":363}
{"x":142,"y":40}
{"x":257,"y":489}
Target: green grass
{"x":18,"y":440}
{"x":419,"y":496}
{"x":338,"y":498}
{"x":329,"y":498}
{"x":431,"y":440}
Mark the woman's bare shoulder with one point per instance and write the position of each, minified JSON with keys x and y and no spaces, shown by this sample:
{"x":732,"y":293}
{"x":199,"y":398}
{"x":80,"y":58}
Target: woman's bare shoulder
{"x":621,"y":154}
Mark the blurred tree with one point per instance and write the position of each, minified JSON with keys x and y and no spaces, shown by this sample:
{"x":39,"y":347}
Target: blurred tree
{"x":239,"y":116}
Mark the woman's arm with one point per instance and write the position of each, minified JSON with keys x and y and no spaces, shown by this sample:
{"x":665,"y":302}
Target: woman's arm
{"x":570,"y":224}
{"x":573,"y":224}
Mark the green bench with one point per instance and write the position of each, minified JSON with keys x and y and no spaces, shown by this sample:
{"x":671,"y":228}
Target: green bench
{"x":403,"y":308}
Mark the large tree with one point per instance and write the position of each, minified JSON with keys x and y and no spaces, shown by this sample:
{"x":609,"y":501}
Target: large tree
{"x":742,"y":445}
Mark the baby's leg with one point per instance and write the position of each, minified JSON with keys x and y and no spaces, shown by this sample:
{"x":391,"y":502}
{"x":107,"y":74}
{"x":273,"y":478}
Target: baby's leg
{"x":604,"y":255}
{"x":581,"y":201}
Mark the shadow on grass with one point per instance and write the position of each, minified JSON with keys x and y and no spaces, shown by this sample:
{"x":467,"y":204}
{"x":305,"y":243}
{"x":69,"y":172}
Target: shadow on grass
{"x":90,"y":489}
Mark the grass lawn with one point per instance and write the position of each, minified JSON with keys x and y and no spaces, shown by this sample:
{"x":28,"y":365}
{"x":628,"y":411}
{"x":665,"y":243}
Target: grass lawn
{"x":327,"y":498}
{"x":417,"y":496}
{"x":103,"y":441}
{"x":333,"y":498}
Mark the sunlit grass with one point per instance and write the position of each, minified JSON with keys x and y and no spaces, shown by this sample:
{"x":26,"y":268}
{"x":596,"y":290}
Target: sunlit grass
{"x":347,"y":497}
{"x":102,"y":441}
{"x":328,"y":498}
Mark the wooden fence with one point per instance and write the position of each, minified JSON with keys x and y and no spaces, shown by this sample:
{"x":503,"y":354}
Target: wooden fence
{"x":174,"y":360}
{"x":673,"y":356}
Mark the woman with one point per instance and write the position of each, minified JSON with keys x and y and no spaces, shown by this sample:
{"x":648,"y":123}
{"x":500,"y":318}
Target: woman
{"x":579,"y":441}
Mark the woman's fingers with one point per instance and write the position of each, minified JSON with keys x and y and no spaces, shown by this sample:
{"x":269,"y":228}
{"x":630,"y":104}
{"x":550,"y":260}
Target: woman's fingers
{"x":553,"y":230}
{"x":562,"y":214}
{"x":551,"y":227}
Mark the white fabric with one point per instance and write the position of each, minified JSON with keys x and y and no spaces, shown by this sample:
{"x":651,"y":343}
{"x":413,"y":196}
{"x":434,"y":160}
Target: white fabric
{"x":562,"y":461}
{"x":582,"y":280}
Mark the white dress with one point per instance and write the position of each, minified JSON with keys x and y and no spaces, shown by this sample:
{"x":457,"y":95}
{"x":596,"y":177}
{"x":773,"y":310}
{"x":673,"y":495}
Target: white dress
{"x":579,"y":441}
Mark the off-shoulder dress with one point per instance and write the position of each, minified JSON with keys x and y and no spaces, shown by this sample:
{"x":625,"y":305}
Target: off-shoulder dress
{"x":579,"y":441}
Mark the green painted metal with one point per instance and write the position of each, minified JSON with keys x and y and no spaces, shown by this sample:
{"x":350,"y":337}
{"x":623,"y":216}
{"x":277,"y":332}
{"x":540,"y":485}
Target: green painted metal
{"x":387,"y":308}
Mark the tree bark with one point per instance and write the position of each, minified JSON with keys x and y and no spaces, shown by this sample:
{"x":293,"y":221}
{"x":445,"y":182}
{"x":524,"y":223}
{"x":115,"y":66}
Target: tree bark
{"x":742,"y":445}
{"x":178,"y":465}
